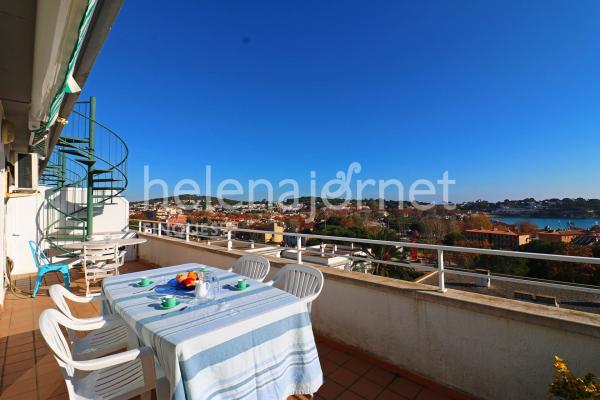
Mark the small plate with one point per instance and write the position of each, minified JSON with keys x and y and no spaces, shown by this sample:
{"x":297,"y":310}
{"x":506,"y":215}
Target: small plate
{"x":139,"y":284}
{"x":235,"y":287}
{"x":162,"y":306}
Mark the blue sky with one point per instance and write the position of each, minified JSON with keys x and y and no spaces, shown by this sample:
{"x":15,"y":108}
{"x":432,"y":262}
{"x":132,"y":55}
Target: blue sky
{"x":505,"y":95}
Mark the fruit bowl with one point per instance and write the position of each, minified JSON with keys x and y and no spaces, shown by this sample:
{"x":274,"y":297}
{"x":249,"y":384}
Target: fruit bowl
{"x":186,"y":280}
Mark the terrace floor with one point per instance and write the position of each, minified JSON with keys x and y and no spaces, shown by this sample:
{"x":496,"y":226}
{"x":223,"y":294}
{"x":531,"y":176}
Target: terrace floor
{"x":28,"y":370}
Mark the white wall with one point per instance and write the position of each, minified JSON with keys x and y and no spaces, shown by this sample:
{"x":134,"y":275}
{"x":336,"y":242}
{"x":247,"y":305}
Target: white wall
{"x":21,"y":227}
{"x":27,"y":216}
{"x":114,"y":217}
{"x":2,"y":228}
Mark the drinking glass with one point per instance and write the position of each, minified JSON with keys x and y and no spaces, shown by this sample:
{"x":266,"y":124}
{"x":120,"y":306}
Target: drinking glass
{"x":215,"y":286}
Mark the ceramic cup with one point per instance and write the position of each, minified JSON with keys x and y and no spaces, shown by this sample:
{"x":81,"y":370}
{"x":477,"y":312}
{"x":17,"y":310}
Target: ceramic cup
{"x":169,"y":301}
{"x":242,"y":284}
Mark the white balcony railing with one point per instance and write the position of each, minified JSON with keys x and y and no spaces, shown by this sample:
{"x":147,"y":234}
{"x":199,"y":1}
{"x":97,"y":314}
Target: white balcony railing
{"x":216,"y":234}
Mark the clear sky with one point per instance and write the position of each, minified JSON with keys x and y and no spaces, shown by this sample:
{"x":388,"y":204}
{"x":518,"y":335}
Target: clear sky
{"x":505,"y":95}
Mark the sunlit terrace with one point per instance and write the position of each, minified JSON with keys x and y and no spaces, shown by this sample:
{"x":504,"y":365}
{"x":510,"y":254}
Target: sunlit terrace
{"x":30,"y":371}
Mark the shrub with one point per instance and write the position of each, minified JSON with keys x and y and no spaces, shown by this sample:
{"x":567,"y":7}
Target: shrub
{"x":567,"y":386}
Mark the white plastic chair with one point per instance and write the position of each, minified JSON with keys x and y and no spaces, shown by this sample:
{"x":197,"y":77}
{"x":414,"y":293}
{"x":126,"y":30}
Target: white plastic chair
{"x":99,"y":262}
{"x":114,"y":335}
{"x":117,"y":376}
{"x":301,"y":281}
{"x":253,"y":267}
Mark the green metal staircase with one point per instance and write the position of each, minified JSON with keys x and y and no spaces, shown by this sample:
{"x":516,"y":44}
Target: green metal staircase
{"x":86,"y":172}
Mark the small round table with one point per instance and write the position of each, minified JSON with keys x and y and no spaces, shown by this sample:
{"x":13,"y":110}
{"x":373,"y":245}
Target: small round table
{"x":104,"y":242}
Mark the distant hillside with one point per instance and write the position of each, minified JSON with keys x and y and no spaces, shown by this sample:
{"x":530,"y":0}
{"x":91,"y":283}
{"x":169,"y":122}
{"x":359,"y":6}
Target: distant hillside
{"x":189,"y":199}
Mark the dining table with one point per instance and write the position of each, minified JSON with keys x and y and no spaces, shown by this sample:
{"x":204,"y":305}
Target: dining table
{"x":255,"y":343}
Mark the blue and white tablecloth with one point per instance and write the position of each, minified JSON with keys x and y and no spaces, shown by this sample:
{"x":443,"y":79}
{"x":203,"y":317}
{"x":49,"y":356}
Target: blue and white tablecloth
{"x":255,"y":344}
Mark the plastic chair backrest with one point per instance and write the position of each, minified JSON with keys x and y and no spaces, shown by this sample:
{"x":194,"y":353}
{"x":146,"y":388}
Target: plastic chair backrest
{"x":254,"y":267}
{"x":300,"y":280}
{"x":94,"y":253}
{"x":39,"y":258}
{"x":50,"y":327}
{"x":59,"y":295}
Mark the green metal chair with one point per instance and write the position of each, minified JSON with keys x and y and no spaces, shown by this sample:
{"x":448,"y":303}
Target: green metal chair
{"x":44,"y":265}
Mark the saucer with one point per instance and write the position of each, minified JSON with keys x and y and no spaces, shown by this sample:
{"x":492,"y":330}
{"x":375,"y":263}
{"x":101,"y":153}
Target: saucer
{"x":162,"y":306}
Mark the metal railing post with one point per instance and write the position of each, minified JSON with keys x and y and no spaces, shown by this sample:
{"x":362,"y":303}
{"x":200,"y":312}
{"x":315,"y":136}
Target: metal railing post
{"x":299,"y":249}
{"x":140,"y":225}
{"x":89,"y":220}
{"x":441,"y":277}
{"x":187,"y":232}
{"x":229,"y":244}
{"x":160,"y":229}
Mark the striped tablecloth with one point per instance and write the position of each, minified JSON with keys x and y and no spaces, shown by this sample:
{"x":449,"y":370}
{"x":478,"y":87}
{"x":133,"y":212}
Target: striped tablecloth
{"x":255,"y":344}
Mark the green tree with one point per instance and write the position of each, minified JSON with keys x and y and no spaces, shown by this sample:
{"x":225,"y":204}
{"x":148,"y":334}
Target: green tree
{"x":388,"y":253}
{"x":596,"y":250}
{"x":452,"y":238}
{"x":543,"y":268}
{"x":502,"y":265}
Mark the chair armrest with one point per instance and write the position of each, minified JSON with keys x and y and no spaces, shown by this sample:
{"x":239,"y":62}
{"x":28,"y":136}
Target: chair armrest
{"x":144,"y":354}
{"x":109,"y":320}
{"x":309,"y":299}
{"x":83,"y":299}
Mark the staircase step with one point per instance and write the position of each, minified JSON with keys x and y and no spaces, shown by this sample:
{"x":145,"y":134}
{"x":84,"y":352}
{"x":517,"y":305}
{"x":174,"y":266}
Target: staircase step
{"x":73,"y":139}
{"x":116,"y":188}
{"x":73,"y":152}
{"x":74,"y":218}
{"x":107,"y":180}
{"x":66,"y":237}
{"x":73,"y":227}
{"x":85,"y":161}
{"x":71,"y":146}
{"x":98,"y":171}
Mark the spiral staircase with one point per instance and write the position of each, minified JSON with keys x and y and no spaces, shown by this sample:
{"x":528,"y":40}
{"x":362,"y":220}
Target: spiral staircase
{"x":86,"y":172}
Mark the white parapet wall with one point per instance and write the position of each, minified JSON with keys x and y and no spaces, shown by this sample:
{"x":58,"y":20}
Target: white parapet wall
{"x":489,"y":347}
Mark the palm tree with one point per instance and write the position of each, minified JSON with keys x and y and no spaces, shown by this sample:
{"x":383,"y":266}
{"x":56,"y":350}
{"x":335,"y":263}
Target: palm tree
{"x":388,"y":253}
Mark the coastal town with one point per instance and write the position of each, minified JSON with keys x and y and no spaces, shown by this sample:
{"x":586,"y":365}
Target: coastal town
{"x":472,"y":224}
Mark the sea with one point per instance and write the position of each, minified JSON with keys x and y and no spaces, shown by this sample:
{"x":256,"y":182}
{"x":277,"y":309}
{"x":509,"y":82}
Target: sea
{"x":554,"y":223}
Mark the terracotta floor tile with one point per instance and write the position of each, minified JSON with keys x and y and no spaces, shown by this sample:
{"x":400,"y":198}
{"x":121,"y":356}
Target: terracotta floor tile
{"x":20,"y":339}
{"x":380,"y":376}
{"x":32,"y":395}
{"x":328,"y":366}
{"x":405,"y":387}
{"x":19,"y":366}
{"x":389,"y":395}
{"x":18,"y":382}
{"x":427,"y":394}
{"x":366,"y":388}
{"x":16,"y":349}
{"x":348,"y":395}
{"x":338,"y":357}
{"x":323,"y":349}
{"x":344,"y":377}
{"x":330,"y":390}
{"x":19,"y":356}
{"x":357,"y":366}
